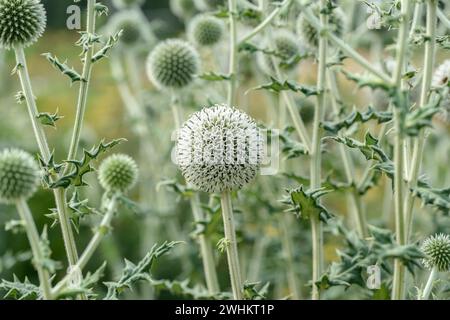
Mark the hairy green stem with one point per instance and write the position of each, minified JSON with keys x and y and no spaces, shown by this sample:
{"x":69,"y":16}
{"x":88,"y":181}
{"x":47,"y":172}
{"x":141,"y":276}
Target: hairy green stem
{"x":34,"y":240}
{"x":233,"y":59}
{"x":429,"y":285}
{"x":232,"y":251}
{"x":419,"y":142}
{"x":399,"y":268}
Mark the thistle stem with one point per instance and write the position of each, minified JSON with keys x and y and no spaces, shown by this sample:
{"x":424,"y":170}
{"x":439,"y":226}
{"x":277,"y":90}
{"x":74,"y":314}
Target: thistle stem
{"x":233,"y":62}
{"x":59,"y":194}
{"x":232,"y":252}
{"x":316,"y":154}
{"x":95,"y":241}
{"x":399,"y":268}
{"x":84,"y":84}
{"x":419,"y":142}
{"x":429,"y":285}
{"x":34,"y":240}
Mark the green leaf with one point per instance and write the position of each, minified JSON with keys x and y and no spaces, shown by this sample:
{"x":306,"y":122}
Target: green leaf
{"x":20,"y":290}
{"x":436,"y":198}
{"x":101,"y":9}
{"x":47,"y":262}
{"x":276,"y":86}
{"x":367,"y":81}
{"x":102,"y":53}
{"x":305,"y":204}
{"x":291,"y":147}
{"x":182,"y":289}
{"x":173,"y":185}
{"x":49,"y":119}
{"x":357,"y":117}
{"x":134,"y":273}
{"x":421,"y":118}
{"x":63,"y":68}
{"x":15,"y":226}
{"x":83,"y":166}
{"x":252,"y":293}
{"x":212,"y":76}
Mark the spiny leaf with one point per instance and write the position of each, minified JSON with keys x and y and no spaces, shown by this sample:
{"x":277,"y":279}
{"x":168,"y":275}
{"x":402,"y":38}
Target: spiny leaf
{"x":50,"y":168}
{"x":63,"y":67}
{"x":83,"y":166}
{"x":292,"y":148}
{"x":47,"y":262}
{"x":133,"y":273}
{"x":252,"y":293}
{"x":421,"y":118}
{"x":305,"y":204}
{"x":15,"y":226}
{"x":212,"y":76}
{"x":367,"y":81}
{"x":358,"y":117}
{"x":49,"y":119}
{"x":437,"y":198}
{"x":276,"y":86}
{"x":101,"y":9}
{"x":102,"y":53}
{"x":87,"y":40}
{"x":182,"y":289}
{"x":20,"y":290}
{"x":173,"y":185}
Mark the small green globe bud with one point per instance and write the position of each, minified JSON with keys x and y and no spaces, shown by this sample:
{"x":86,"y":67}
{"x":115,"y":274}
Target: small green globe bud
{"x":286,"y":47}
{"x":183,"y":9}
{"x":208,"y":5}
{"x":219,"y":149}
{"x":19,"y":175}
{"x":173,"y":64}
{"x":310,"y":35}
{"x":125,"y":4}
{"x":206,"y":30}
{"x":437,"y":250}
{"x":118,"y":173}
{"x":22,"y":22}
{"x":131,"y":31}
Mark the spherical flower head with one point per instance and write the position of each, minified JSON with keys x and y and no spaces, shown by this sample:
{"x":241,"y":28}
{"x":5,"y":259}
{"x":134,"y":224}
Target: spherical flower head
{"x":22,"y":22}
{"x":437,"y":250}
{"x":118,"y":173}
{"x":219,"y":149}
{"x":207,"y":5}
{"x":206,"y":30}
{"x":286,"y":47}
{"x":125,"y":4}
{"x":310,"y":35}
{"x":19,"y":175}
{"x":183,"y":9}
{"x":173,"y":64}
{"x":131,"y":31}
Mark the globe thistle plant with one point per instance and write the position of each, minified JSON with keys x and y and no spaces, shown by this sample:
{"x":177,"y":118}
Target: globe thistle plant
{"x":118,"y":173}
{"x":131,"y":31}
{"x":219,"y":149}
{"x":310,"y":35}
{"x":183,"y":9}
{"x":22,"y":22}
{"x":173,"y":64}
{"x":437,"y":251}
{"x":206,"y":30}
{"x":19,"y":175}
{"x":125,"y":4}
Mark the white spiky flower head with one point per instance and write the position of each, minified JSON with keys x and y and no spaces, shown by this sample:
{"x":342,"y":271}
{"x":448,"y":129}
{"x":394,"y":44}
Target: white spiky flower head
{"x":125,"y":4}
{"x":183,"y":9}
{"x":173,"y":64}
{"x":219,"y":149}
{"x":19,"y":175}
{"x":22,"y":22}
{"x":118,"y":173}
{"x":437,"y":250}
{"x":206,"y":30}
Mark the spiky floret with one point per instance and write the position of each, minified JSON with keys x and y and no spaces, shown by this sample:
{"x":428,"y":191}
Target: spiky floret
{"x":183,"y":9}
{"x":437,"y":250}
{"x":131,"y":31}
{"x":118,"y":173}
{"x":206,"y":5}
{"x":19,"y":175}
{"x":286,"y":47}
{"x":173,"y":64}
{"x":22,"y":22}
{"x":219,"y":149}
{"x":310,"y":35}
{"x":124,"y":4}
{"x":205,"y":30}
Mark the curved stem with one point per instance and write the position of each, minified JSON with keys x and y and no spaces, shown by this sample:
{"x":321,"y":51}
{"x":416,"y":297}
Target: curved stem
{"x":419,"y":142}
{"x":265,"y":23}
{"x":34,"y":240}
{"x":84,"y":85}
{"x":232,"y":252}
{"x":429,"y":286}
{"x":399,"y":268}
{"x":233,"y":63}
